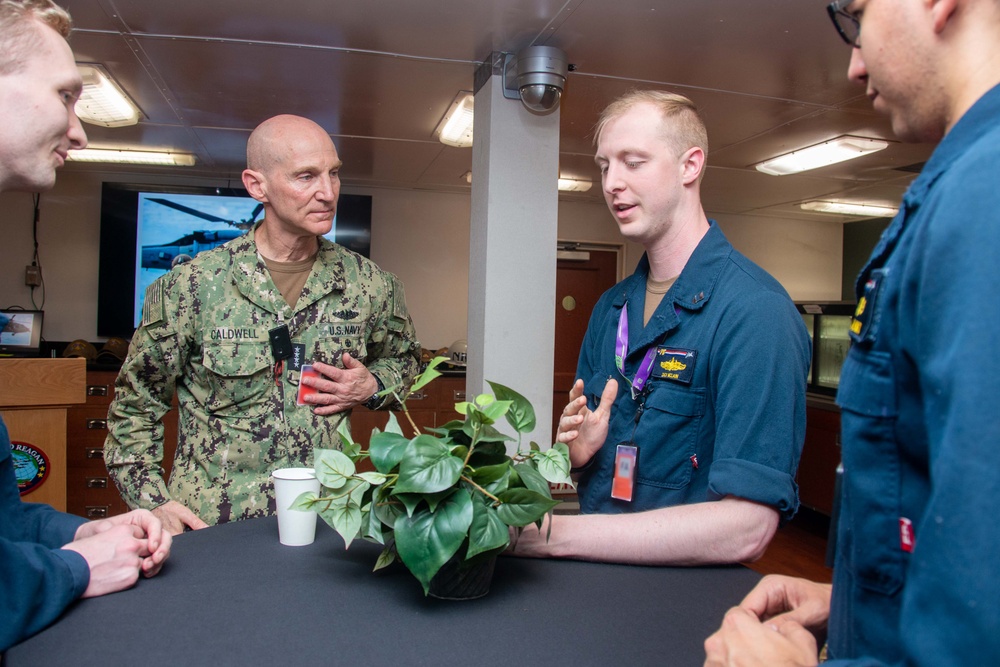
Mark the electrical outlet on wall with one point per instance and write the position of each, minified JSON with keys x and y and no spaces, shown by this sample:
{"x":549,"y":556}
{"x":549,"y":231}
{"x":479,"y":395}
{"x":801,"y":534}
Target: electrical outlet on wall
{"x":32,"y":275}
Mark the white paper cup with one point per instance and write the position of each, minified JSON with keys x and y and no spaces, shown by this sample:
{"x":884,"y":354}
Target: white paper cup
{"x":296,"y":528}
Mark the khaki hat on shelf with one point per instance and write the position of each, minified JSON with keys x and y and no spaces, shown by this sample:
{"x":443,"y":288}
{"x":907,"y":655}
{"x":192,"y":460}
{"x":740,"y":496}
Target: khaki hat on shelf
{"x":114,"y":350}
{"x":81,"y":348}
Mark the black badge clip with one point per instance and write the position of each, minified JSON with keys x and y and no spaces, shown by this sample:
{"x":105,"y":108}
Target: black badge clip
{"x":281,"y":342}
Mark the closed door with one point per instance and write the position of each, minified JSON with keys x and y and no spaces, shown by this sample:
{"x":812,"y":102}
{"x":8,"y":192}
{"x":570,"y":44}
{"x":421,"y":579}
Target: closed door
{"x":580,"y":282}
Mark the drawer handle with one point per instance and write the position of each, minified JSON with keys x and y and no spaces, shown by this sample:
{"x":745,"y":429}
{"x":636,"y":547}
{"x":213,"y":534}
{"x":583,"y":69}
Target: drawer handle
{"x":417,"y":396}
{"x":97,"y":511}
{"x":94,"y":452}
{"x":97,"y":424}
{"x":97,"y":482}
{"x":458,"y":395}
{"x":97,"y":390}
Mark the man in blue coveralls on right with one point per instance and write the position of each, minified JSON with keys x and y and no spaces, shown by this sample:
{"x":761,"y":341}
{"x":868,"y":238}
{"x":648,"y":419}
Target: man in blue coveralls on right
{"x":915,"y":580}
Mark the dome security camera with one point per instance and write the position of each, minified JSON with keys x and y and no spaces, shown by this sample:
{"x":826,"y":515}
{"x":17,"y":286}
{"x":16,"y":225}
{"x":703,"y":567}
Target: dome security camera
{"x":541,"y":75}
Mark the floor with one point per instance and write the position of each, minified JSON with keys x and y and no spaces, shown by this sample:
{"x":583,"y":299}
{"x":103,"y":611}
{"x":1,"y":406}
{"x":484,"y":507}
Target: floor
{"x":798,"y":549}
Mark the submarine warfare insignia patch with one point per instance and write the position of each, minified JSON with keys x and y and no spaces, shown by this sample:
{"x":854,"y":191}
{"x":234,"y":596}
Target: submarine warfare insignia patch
{"x":674,"y":363}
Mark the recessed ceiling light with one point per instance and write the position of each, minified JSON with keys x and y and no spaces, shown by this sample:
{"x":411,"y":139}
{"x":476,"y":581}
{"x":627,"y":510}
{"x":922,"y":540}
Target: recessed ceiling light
{"x":851,"y":208}
{"x":574,"y":184}
{"x":829,"y":152}
{"x":102,"y":101}
{"x":131,"y":157}
{"x":455,"y":129}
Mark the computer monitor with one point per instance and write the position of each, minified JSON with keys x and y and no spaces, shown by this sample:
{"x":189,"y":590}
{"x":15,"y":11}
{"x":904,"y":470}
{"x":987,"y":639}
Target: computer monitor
{"x":21,"y":333}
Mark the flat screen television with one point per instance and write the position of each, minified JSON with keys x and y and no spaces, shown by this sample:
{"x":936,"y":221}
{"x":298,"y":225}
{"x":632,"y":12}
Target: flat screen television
{"x":20,"y":333}
{"x":146,"y":229}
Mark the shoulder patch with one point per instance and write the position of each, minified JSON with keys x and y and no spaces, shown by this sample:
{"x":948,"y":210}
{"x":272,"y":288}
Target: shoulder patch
{"x":398,"y":299}
{"x":152,"y":304}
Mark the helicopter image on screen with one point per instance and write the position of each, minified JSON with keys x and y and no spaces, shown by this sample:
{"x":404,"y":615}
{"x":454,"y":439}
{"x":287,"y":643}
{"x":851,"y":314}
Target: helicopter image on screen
{"x":166,"y":256}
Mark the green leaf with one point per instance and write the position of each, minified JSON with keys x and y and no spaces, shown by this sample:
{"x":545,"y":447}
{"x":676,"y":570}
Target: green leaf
{"x":521,"y":415}
{"x":345,"y":519}
{"x":387,"y":557}
{"x":494,"y":410}
{"x":373,"y":526}
{"x":553,"y":464}
{"x":532,"y":479}
{"x":484,"y":475}
{"x":487,"y":531}
{"x":386,"y":450}
{"x":523,"y":506}
{"x":488,"y":433}
{"x":488,"y":453}
{"x":427,"y":467}
{"x":410,"y":501}
{"x":429,"y":374}
{"x":344,"y":432}
{"x":373,"y":478}
{"x":332,"y":467}
{"x":427,"y":540}
{"x":392,"y":425}
{"x":305,"y":501}
{"x":386,"y":508}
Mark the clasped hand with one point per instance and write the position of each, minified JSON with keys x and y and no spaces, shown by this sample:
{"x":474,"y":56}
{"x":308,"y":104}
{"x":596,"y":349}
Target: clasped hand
{"x":780,"y":622}
{"x":119,"y":548}
{"x":340,"y":389}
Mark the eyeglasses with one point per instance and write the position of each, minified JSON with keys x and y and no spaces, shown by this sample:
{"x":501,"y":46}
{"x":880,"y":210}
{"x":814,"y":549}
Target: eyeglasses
{"x":847,"y":24}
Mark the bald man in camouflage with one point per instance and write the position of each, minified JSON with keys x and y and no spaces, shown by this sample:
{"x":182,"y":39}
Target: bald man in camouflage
{"x":206,"y":335}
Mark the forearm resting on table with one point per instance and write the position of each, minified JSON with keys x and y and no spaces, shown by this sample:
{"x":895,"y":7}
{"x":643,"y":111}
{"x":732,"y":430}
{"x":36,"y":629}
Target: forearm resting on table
{"x":730,"y":530}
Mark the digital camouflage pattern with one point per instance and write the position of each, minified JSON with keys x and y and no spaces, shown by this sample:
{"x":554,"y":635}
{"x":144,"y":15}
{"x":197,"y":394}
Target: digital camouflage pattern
{"x":204,"y":335}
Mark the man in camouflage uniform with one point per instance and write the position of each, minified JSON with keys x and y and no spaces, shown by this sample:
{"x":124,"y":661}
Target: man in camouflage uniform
{"x":205,"y":334}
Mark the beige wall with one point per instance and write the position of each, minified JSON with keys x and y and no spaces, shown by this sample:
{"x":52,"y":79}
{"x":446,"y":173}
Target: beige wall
{"x":421,"y":236}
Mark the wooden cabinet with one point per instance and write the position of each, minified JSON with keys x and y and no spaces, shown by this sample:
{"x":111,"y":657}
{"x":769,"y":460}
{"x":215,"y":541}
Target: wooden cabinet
{"x":820,"y":456}
{"x":90,"y":492}
{"x":433,"y":406}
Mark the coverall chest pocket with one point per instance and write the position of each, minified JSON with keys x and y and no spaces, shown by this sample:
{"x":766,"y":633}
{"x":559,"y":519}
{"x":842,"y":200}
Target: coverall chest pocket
{"x":240,"y":379}
{"x":668,"y":435}
{"x":872,"y":479}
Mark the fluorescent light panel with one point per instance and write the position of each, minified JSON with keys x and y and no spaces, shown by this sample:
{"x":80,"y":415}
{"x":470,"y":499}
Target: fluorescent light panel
{"x":851,"y":208}
{"x":830,"y":152}
{"x":574,"y":184}
{"x":102,"y":101}
{"x":131,"y":157}
{"x":455,"y":129}
{"x":565,"y":184}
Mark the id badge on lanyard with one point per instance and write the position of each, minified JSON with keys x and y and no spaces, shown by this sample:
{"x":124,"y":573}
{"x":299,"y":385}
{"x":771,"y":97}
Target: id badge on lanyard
{"x":627,"y":453}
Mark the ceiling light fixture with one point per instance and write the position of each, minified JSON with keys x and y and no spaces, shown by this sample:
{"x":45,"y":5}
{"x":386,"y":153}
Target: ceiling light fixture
{"x":565,"y":184}
{"x":830,"y":152}
{"x":131,"y":157}
{"x":102,"y":101}
{"x":851,"y":208}
{"x":455,"y":129}
{"x":574,"y":184}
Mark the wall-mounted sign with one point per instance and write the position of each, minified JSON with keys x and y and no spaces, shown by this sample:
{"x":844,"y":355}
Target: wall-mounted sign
{"x":31,"y":466}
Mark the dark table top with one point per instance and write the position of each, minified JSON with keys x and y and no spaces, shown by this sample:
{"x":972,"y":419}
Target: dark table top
{"x":232,"y":594}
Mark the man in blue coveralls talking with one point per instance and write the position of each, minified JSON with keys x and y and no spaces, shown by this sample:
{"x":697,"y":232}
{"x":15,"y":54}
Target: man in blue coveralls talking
{"x":687,"y":419}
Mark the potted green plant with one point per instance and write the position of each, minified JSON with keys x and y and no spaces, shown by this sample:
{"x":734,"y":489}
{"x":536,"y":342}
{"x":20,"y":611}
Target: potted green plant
{"x":446,"y":496}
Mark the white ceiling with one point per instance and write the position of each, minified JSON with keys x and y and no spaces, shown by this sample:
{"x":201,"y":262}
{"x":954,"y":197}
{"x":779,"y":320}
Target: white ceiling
{"x":769,"y":77}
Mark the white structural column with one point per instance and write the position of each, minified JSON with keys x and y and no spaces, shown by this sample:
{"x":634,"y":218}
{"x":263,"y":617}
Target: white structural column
{"x":512,"y":261}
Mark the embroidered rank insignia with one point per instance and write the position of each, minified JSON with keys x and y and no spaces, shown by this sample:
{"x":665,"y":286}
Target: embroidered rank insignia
{"x":674,"y":363}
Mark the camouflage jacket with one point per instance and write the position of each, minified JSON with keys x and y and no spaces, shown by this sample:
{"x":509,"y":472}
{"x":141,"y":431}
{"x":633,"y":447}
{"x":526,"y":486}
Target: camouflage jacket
{"x":204,"y":335}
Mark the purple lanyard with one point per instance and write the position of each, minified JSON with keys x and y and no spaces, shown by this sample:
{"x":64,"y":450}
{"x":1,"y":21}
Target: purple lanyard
{"x":621,"y":350}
